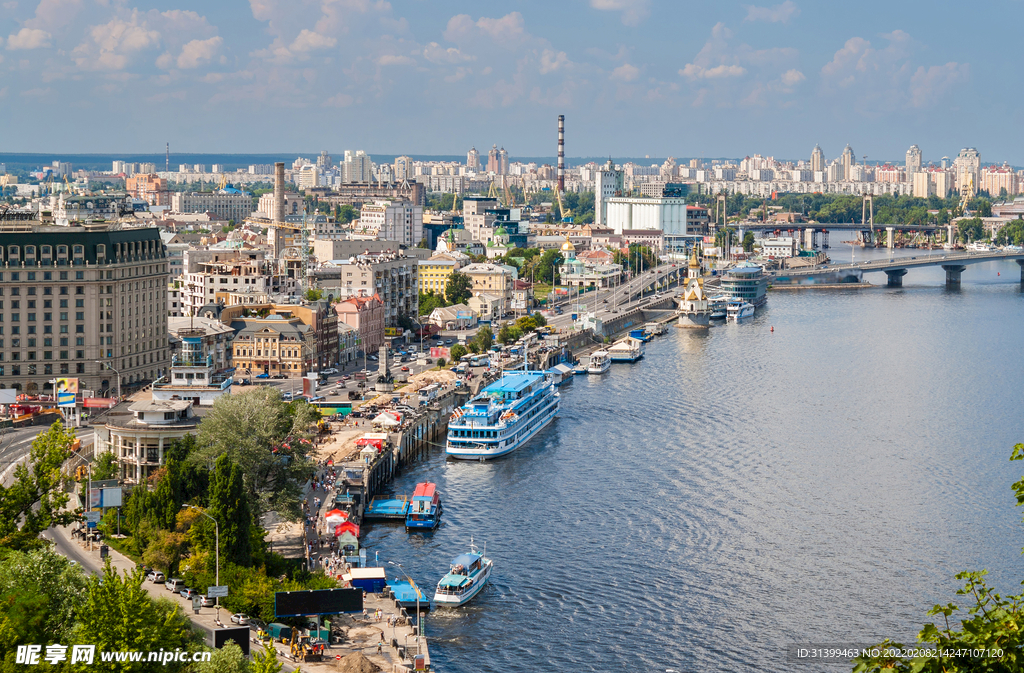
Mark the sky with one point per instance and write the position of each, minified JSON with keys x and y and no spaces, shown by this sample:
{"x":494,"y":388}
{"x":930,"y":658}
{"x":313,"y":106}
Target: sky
{"x":431,"y":77}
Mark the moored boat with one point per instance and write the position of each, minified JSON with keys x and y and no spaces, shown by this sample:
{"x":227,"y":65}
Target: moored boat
{"x":600,"y":362}
{"x":425,"y":508}
{"x":739,"y":309}
{"x":629,"y":349}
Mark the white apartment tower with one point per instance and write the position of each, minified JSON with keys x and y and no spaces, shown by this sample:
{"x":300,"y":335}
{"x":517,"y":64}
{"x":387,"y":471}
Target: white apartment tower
{"x":403,"y":168}
{"x":967,"y":166}
{"x":817,"y":159}
{"x":913,"y":162}
{"x":357,"y":167}
{"x":473,"y":160}
{"x":849,"y":159}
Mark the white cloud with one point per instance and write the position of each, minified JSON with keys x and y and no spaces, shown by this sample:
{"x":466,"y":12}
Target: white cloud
{"x":198,"y":52}
{"x":777,"y":14}
{"x":114,"y":44}
{"x":339,"y":100}
{"x":36,"y":93}
{"x":29,"y":38}
{"x":792,"y":77}
{"x":552,"y":61}
{"x":928,"y":86}
{"x":308,"y":41}
{"x":633,"y":11}
{"x":625,"y":73}
{"x":435,"y":53}
{"x":394,"y":59}
{"x":509,"y":28}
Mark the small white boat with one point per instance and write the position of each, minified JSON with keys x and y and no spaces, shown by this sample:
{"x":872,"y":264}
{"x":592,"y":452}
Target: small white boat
{"x":739,"y":309}
{"x":600,"y":362}
{"x":467,"y":576}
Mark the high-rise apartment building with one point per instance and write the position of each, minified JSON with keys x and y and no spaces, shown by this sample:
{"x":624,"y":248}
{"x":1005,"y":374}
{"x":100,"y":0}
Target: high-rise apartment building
{"x":817,"y":159}
{"x":492,"y":160}
{"x":324,"y":161}
{"x":967,"y":166}
{"x":473,"y":160}
{"x":150,"y":188}
{"x":848,"y":160}
{"x":357,"y":167}
{"x":403,"y":168}
{"x":394,"y":221}
{"x":913,"y":162}
{"x":228,"y":204}
{"x":75,"y":295}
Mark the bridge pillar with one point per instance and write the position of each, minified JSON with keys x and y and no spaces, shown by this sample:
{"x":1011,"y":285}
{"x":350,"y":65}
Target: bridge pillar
{"x":809,"y":239}
{"x":895,"y":277}
{"x":890,"y":238}
{"x":953,"y":272}
{"x":1021,"y":263}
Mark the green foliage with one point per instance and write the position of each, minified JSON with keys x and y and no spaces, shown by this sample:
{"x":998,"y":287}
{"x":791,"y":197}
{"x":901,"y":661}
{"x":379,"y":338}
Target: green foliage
{"x":545,"y":265}
{"x":638,"y":257}
{"x":458,"y":289}
{"x":458,"y":351}
{"x":346,"y":214}
{"x":40,"y":593}
{"x":228,"y":659}
{"x":443,"y":202}
{"x":484,"y":338}
{"x":982,"y":207}
{"x":165,"y":551}
{"x":265,"y":661}
{"x":993,"y":622}
{"x":118,"y":614}
{"x":230,"y":508}
{"x":748,"y":242}
{"x":1011,"y":234}
{"x":267,"y":440}
{"x":36,"y":499}
{"x":106,"y":467}
{"x":526,"y":324}
{"x":971,"y":229}
{"x":441,"y":362}
{"x":430,"y":301}
{"x":540,"y":319}
{"x":509,"y":334}
{"x":313,"y":294}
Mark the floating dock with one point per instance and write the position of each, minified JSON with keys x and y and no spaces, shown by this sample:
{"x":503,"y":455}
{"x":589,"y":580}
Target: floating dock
{"x":383,"y":508}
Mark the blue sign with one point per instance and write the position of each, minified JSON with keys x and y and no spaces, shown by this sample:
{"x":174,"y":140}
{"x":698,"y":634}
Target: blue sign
{"x":65,"y":399}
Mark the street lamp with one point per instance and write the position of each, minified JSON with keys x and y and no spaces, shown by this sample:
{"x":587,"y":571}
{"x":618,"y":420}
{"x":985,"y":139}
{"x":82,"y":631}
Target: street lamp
{"x":419,"y":615}
{"x":106,"y":365}
{"x":216,"y":532}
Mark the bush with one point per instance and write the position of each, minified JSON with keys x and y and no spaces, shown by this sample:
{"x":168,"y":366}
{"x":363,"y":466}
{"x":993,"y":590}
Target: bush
{"x":458,"y":350}
{"x":441,"y":362}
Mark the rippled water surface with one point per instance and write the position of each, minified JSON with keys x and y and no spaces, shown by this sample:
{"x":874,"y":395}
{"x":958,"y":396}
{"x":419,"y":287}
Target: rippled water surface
{"x":741,"y":489}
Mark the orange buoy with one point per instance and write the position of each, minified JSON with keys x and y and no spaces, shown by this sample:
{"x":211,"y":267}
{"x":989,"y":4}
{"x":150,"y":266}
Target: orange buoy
{"x":773,"y":328}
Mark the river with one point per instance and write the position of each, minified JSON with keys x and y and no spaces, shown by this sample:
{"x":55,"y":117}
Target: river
{"x":743,"y":489}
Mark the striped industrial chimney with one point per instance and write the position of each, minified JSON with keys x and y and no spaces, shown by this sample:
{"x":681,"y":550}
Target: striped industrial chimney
{"x":561,"y":153}
{"x":278,"y":215}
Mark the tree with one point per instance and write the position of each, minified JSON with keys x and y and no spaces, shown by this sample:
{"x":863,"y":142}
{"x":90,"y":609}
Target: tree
{"x":992,"y":623}
{"x":346,"y":214}
{"x":106,"y":467}
{"x":539,"y":318}
{"x":505,"y":335}
{"x":227,"y":659}
{"x":458,"y":289}
{"x":268,"y":439}
{"x":313,"y":294}
{"x":458,"y":351}
{"x":36,"y":499}
{"x":441,"y":362}
{"x":230,"y":508}
{"x":971,"y":229}
{"x":165,"y":551}
{"x":429,"y":301}
{"x":266,"y":661}
{"x":484,"y":338}
{"x":526,"y":324}
{"x":748,"y":242}
{"x":40,"y":593}
{"x":118,"y":614}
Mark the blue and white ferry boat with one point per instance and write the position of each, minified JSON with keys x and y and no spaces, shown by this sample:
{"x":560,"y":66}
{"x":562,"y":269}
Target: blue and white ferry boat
{"x":503,"y":416}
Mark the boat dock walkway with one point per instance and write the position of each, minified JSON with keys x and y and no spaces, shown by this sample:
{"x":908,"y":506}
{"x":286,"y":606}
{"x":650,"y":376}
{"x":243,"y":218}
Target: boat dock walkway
{"x":383,"y":508}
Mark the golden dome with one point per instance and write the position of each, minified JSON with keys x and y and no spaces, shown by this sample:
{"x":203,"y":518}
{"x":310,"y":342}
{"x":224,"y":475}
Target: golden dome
{"x":694,"y":264}
{"x":568,"y":246}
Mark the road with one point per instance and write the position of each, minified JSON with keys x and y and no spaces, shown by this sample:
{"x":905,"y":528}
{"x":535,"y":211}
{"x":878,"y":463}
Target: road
{"x":15,"y":445}
{"x":624,"y":296}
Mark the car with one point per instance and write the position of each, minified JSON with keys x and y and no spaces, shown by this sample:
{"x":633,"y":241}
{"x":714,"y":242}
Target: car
{"x":174,"y":585}
{"x":240,"y":618}
{"x":330,"y":371}
{"x":405,"y":369}
{"x":187,"y":593}
{"x":279,"y":376}
{"x":373,"y":357}
{"x":449,"y":341}
{"x":264,"y":375}
{"x":156,"y":577}
{"x":287,"y":397}
{"x":245,"y":382}
{"x":206,"y":601}
{"x":256,"y":624}
{"x":346,"y":377}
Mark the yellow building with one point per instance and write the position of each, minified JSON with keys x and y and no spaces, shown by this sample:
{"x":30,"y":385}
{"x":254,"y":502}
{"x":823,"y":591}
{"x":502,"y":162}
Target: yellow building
{"x":434,"y":273}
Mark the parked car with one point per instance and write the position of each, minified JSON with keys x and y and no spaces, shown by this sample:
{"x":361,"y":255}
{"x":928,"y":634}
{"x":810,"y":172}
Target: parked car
{"x":206,"y":601}
{"x":373,"y":357}
{"x":330,"y":371}
{"x":156,"y":577}
{"x":240,"y":618}
{"x":279,"y":376}
{"x":264,"y":375}
{"x":245,"y":382}
{"x":256,"y":624}
{"x":188,"y":593}
{"x":449,"y":341}
{"x":287,"y":397}
{"x":174,"y":585}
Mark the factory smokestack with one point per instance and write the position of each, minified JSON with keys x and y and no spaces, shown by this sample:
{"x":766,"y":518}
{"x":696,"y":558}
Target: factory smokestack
{"x":561,"y":153}
{"x":279,"y":192}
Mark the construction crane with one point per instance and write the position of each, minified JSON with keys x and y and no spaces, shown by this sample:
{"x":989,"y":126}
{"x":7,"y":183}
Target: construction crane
{"x":566,"y":214}
{"x":967,"y":194}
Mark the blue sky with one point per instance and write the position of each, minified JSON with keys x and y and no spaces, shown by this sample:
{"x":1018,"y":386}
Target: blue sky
{"x":633,"y":77}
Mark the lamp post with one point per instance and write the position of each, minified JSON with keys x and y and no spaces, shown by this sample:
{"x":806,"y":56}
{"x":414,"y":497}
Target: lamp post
{"x":419,"y":615}
{"x":107,"y":365}
{"x":216,"y":532}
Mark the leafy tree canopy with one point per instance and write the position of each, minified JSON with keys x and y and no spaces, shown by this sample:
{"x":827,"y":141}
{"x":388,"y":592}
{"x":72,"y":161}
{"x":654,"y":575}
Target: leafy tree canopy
{"x":458,"y":289}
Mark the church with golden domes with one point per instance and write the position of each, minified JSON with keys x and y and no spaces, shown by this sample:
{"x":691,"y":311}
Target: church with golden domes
{"x":693,"y":307}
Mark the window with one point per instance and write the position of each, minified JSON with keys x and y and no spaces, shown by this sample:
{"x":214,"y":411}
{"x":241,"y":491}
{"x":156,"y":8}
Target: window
{"x":31,"y":317}
{"x":79,"y":303}
{"x":63,"y":341}
{"x":63,"y":276}
{"x":31,"y":274}
{"x":15,"y":370}
{"x":63,"y":368}
{"x":80,"y":368}
{"x":79,"y":329}
{"x":79,"y":275}
{"x":63,"y":315}
{"x":47,"y":275}
{"x":79,"y":355}
{"x":79,"y":341}
{"x":47,"y":317}
{"x":64,"y":289}
{"x":79,"y":289}
{"x":63,"y":355}
{"x":79,"y":315}
{"x":47,"y":291}
{"x":47,"y":369}
{"x":63,"y":304}
{"x":47,"y":341}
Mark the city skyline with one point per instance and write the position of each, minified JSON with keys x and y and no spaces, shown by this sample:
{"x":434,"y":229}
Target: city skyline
{"x":773,"y":79}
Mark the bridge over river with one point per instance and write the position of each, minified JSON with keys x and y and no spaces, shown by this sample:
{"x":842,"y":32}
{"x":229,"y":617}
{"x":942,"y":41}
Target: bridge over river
{"x":954,"y":264}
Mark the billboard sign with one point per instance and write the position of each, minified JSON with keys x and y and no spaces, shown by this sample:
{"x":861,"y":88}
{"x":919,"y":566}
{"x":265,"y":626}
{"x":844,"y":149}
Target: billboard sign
{"x":238,"y":634}
{"x":110,"y":497}
{"x":9,"y":396}
{"x":67,"y":386}
{"x":321,"y":602}
{"x":217,"y":591}
{"x":98,"y":402}
{"x":95,"y":498}
{"x":65,"y":399}
{"x":309,"y":387}
{"x":436,"y":352}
